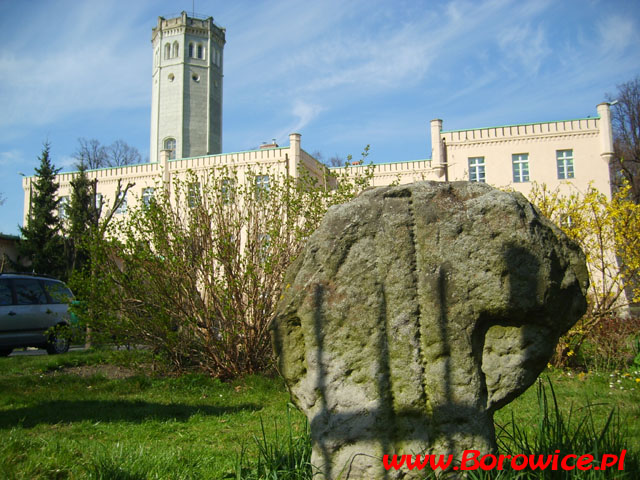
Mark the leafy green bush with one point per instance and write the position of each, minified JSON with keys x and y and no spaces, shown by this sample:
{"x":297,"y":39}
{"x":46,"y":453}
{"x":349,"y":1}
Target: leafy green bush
{"x":196,"y":272}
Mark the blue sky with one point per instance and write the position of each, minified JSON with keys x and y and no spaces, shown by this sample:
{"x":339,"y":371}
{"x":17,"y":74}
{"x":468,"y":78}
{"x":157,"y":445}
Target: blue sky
{"x":344,"y":74}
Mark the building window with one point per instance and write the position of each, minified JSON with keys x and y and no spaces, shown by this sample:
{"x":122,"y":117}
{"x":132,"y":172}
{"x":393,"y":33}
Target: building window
{"x":191,"y":50}
{"x":200,"y":51}
{"x":227,"y":190}
{"x":566,"y":221}
{"x":122,"y":207}
{"x":193,"y":194}
{"x":176,"y":49}
{"x":167,"y":51}
{"x":265,"y":244}
{"x":98,"y":203}
{"x":262,"y":186}
{"x":147,"y":196}
{"x":520,"y":167}
{"x":170,"y":144}
{"x":63,"y":208}
{"x":476,"y":169}
{"x":565,"y":164}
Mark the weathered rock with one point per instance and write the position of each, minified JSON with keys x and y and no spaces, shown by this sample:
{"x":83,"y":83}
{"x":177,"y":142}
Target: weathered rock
{"x":414,"y":313}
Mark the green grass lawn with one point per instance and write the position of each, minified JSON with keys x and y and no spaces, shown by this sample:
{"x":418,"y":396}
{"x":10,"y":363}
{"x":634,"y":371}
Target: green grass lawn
{"x":107,"y":415}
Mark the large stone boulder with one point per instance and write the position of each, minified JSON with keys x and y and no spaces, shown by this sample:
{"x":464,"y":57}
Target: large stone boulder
{"x":416,"y":311}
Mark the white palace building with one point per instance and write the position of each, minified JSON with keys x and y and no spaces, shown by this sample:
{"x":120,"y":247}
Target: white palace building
{"x":186,"y":134}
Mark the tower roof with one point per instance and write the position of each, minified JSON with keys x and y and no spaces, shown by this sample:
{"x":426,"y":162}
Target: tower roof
{"x":194,"y":23}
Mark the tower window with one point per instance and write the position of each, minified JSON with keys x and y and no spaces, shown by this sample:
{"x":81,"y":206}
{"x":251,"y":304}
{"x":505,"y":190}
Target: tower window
{"x":170,"y":144}
{"x":191,"y":50}
{"x":176,"y":49}
{"x":167,"y":51}
{"x":200,"y":51}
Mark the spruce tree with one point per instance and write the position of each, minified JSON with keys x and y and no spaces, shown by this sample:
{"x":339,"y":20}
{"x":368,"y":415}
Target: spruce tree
{"x":41,"y":240}
{"x":82,"y":216}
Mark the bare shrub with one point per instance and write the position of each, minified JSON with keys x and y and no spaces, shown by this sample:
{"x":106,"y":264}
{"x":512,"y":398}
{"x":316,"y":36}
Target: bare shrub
{"x":196,"y":272}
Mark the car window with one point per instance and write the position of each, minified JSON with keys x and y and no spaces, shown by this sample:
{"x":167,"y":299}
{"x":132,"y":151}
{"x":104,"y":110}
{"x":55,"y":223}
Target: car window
{"x":58,"y":291}
{"x":5,"y":293}
{"x":29,"y":291}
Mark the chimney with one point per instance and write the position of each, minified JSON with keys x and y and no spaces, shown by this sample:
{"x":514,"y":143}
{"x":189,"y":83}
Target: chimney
{"x":438,"y":161}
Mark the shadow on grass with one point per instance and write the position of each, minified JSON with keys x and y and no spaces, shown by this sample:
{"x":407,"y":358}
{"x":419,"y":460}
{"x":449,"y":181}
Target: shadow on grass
{"x":64,"y":411}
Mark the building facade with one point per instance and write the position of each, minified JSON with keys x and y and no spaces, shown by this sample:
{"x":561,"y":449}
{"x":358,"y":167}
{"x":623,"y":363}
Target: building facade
{"x":567,"y":155}
{"x":186,"y":135}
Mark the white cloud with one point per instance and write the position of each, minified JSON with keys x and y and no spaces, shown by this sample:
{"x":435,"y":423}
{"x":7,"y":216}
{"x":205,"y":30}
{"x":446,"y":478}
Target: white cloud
{"x":87,"y":61}
{"x":616,"y":33}
{"x":66,"y":162}
{"x":12,"y":157}
{"x":304,"y":113}
{"x":526,"y":45}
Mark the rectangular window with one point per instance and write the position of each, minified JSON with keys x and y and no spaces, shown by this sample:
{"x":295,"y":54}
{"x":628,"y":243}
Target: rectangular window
{"x":122,"y":200}
{"x":520,"y":167}
{"x":476,"y":169}
{"x":98,"y":201}
{"x":58,"y":292}
{"x":227,"y":190}
{"x":193,"y":194}
{"x":565,"y":164}
{"x":29,"y":292}
{"x":147,"y":196}
{"x":6,"y":296}
{"x":265,"y":244}
{"x":63,"y":207}
{"x":262,"y":186}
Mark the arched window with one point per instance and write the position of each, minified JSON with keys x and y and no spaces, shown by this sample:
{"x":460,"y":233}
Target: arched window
{"x":167,"y":51}
{"x":176,"y":49}
{"x":200,"y":51}
{"x":170,"y":144}
{"x":191,"y":50}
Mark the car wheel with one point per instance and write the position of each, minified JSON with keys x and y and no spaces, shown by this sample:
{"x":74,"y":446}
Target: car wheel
{"x":58,"y":343}
{"x":6,"y":352}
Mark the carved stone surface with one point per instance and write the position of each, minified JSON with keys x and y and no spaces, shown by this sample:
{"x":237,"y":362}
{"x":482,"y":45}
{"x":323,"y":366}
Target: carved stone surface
{"x":414,"y":313}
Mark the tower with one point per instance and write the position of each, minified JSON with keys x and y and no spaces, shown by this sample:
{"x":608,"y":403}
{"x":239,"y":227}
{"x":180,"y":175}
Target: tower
{"x":186,"y":94}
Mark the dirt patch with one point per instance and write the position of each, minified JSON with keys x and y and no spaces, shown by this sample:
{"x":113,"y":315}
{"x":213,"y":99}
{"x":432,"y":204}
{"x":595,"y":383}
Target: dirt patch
{"x":111,"y":372}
